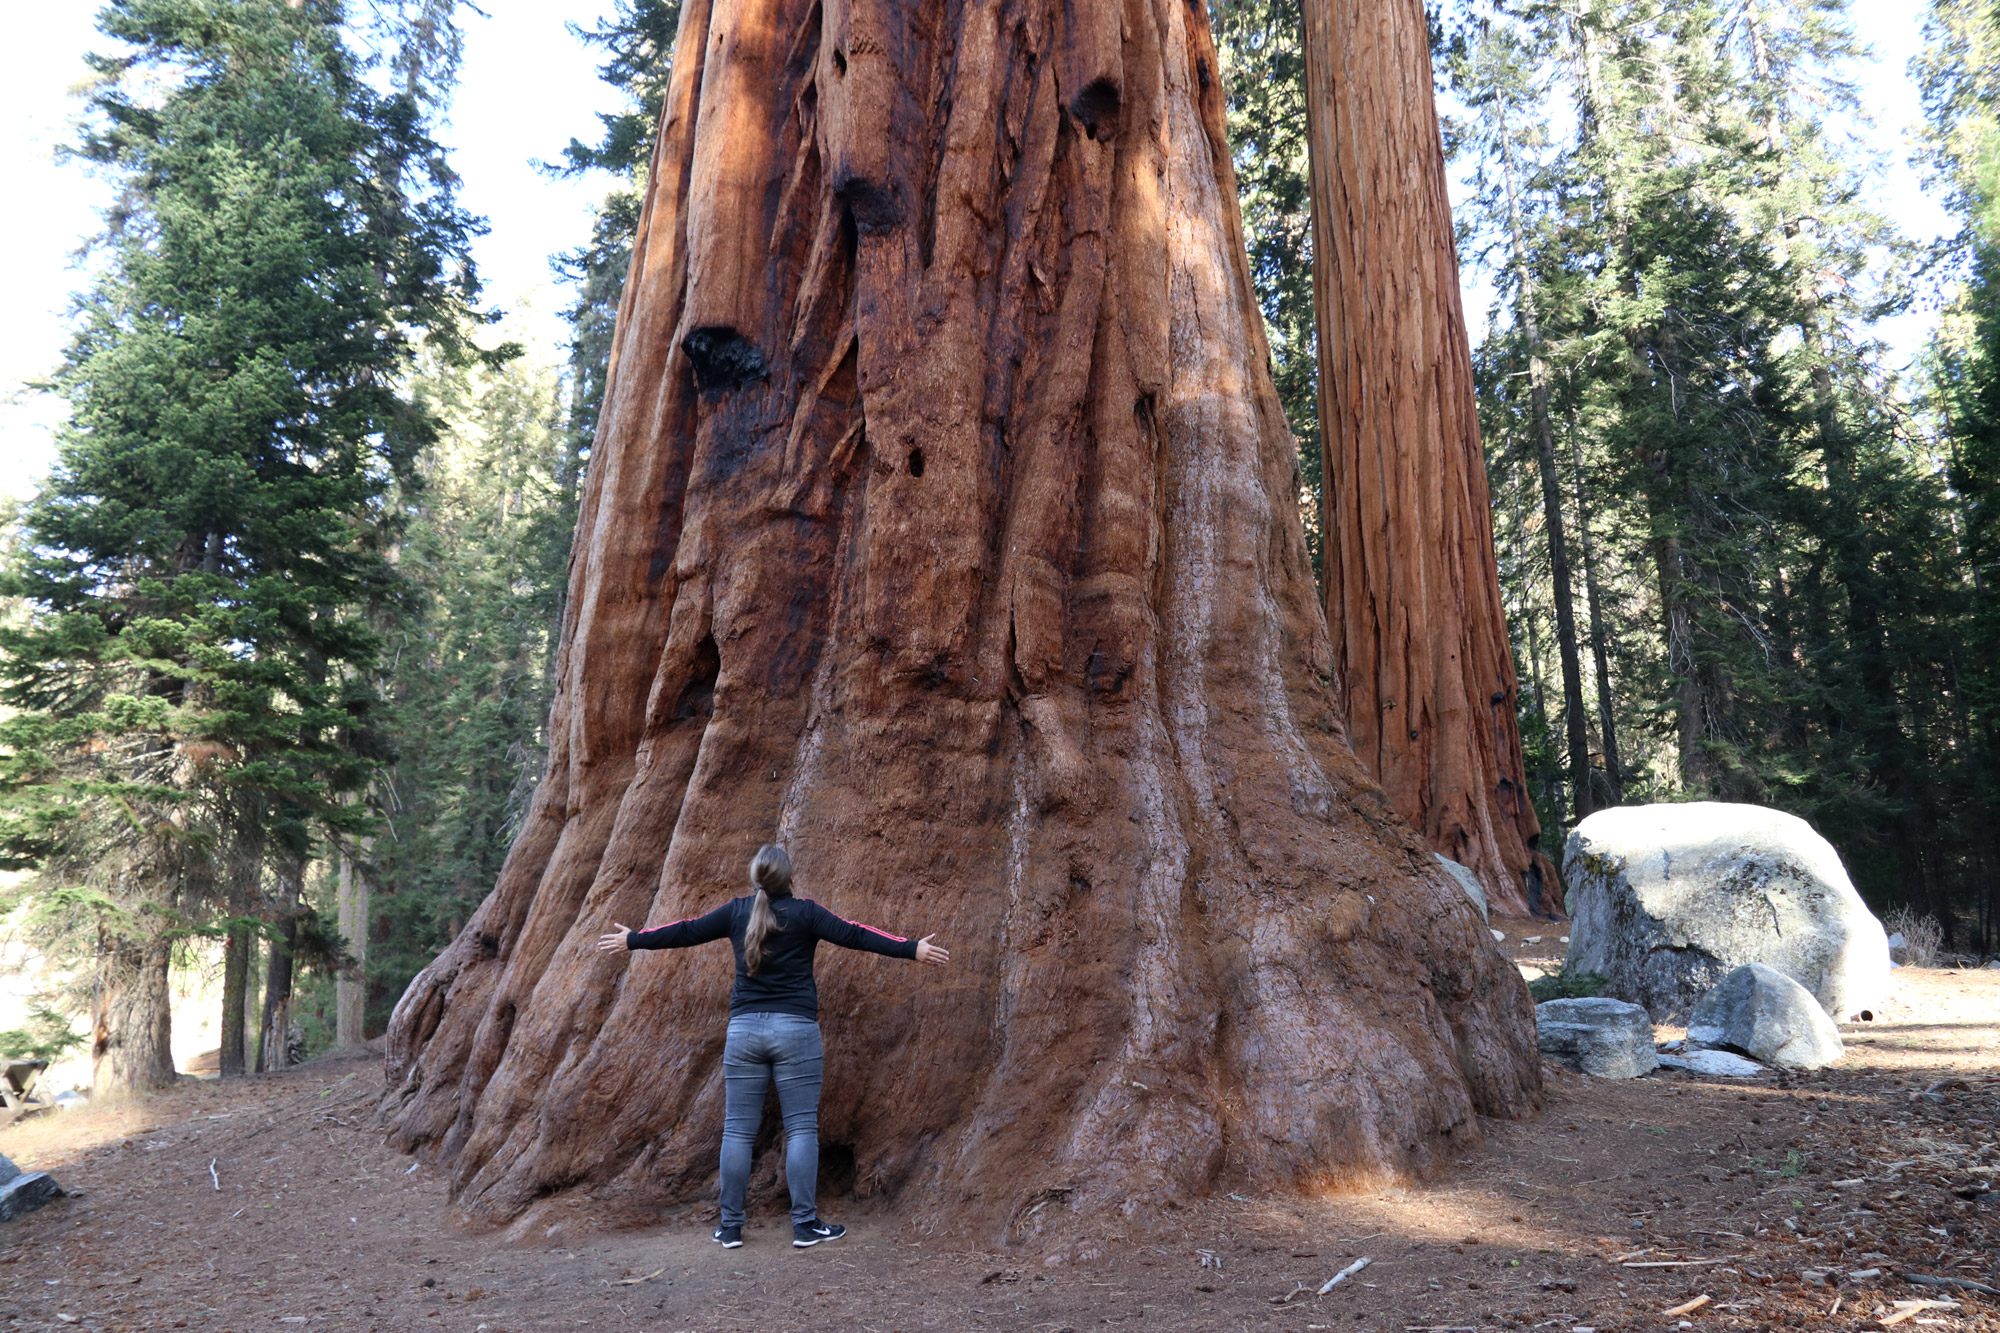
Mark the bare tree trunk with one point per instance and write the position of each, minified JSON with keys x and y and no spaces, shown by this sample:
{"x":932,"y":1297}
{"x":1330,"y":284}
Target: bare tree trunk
{"x":351,"y":986}
{"x":1412,"y":587}
{"x":239,"y":948}
{"x":1575,"y":729}
{"x":272,"y":1048}
{"x":273,"y":1051}
{"x":131,"y":1046}
{"x":239,"y":945}
{"x":942,"y":525}
{"x":1600,"y":652}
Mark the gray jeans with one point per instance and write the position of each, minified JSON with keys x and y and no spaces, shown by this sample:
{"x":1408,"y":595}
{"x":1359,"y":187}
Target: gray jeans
{"x":762,"y":1047}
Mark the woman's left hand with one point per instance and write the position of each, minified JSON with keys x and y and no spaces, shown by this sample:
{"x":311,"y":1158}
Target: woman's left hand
{"x":616,"y":941}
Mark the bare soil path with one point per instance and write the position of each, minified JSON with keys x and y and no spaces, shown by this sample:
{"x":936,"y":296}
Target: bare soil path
{"x":1854,"y":1177}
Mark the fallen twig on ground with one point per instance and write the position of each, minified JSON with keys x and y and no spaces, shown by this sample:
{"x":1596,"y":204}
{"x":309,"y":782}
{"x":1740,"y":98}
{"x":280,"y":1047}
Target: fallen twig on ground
{"x":1956,"y":1283}
{"x":1685,"y":1306}
{"x":1344,"y":1274}
{"x":1910,"y":1309}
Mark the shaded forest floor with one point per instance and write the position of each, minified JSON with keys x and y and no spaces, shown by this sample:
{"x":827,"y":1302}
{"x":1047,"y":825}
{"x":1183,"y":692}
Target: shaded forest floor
{"x":1743,"y":1185}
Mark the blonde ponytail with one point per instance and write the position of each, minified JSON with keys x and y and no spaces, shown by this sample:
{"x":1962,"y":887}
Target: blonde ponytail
{"x":771,"y":876}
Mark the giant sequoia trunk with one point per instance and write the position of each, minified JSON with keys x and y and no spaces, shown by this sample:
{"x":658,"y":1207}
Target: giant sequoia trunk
{"x":941,"y":525}
{"x":1412,"y":587}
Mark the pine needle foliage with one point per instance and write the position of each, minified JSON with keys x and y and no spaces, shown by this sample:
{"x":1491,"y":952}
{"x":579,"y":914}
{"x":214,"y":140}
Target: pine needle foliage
{"x":194,"y":670}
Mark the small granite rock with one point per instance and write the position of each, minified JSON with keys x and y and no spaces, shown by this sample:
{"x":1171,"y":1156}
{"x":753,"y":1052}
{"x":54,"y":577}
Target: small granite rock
{"x":1601,"y":1037}
{"x":7,"y":1169}
{"x":25,"y":1193}
{"x":1716,"y":1064}
{"x":1760,"y":1012}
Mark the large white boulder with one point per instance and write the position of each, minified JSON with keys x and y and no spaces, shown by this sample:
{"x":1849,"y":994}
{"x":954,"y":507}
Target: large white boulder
{"x":1666,"y":900}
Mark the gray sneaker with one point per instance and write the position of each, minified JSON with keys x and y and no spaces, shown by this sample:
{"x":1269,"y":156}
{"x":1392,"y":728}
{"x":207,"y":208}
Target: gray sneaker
{"x":807,"y":1234}
{"x":728,"y":1237}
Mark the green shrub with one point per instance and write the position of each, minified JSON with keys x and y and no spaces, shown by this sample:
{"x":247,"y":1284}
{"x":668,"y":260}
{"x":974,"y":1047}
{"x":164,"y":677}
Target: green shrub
{"x":1567,"y":985}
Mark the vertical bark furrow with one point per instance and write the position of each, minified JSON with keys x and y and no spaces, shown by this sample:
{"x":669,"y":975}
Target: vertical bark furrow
{"x":988,"y":595}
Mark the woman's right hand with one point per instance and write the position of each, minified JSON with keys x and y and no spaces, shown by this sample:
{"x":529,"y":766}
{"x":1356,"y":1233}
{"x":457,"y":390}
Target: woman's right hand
{"x":614,"y":942}
{"x":934,"y":954}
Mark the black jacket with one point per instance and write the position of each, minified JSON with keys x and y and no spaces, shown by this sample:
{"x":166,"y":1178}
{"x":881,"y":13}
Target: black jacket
{"x":784,"y":984}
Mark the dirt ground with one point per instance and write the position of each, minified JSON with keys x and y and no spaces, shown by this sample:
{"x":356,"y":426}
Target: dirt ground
{"x":1786,"y":1201}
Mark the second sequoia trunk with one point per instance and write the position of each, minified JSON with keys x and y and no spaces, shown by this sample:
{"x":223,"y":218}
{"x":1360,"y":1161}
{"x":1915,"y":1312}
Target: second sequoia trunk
{"x":1412,"y":587}
{"x":941,"y":525}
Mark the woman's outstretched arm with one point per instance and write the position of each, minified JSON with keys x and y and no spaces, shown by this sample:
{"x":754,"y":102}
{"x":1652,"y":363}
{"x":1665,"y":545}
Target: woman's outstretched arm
{"x":674,"y":935}
{"x":854,"y":935}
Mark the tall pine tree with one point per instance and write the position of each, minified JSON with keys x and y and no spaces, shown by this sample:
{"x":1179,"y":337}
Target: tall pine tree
{"x":192,"y":687}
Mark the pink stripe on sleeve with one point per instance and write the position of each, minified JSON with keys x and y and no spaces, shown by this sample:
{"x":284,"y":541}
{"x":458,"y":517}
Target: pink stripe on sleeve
{"x":683,"y":921}
{"x":900,"y":939}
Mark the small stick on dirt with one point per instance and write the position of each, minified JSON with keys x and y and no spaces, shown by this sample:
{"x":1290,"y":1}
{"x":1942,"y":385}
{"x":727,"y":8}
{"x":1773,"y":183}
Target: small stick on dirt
{"x":1634,"y":1255}
{"x":1299,"y":1289}
{"x":635,"y":1281}
{"x":1910,"y":1309}
{"x":1955,"y":1283}
{"x":1680,"y":1263}
{"x":1686,"y":1307}
{"x":211,"y":1173}
{"x":1834,"y":1309}
{"x":1344,"y":1274}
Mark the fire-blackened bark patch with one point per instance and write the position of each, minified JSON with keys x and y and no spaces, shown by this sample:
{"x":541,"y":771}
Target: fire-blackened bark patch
{"x":723,"y":359}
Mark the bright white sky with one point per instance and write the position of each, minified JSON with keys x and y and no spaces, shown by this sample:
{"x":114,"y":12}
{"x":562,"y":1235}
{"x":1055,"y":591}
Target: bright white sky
{"x":527,"y":88}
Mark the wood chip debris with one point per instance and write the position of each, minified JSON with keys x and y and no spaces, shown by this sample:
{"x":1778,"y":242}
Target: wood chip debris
{"x":635,"y":1281}
{"x":1687,"y":1307}
{"x":1680,"y":1263}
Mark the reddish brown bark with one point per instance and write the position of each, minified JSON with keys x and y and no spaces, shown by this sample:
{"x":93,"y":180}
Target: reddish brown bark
{"x":1412,"y":587}
{"x":941,"y":525}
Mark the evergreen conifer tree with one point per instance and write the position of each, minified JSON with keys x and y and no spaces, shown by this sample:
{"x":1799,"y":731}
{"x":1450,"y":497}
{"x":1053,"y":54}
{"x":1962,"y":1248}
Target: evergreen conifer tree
{"x":192,"y":685}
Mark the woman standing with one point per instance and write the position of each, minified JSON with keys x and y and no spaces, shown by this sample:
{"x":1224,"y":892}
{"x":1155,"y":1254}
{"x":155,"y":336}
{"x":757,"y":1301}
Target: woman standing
{"x":773,"y":1026}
